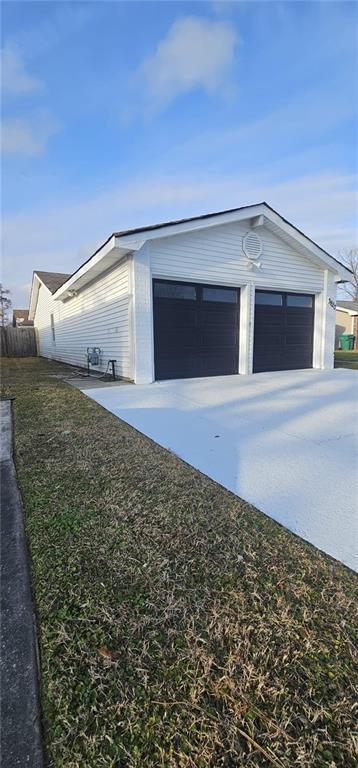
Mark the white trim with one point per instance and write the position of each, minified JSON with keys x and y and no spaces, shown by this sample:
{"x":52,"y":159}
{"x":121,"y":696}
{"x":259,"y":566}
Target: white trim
{"x":131,"y":316}
{"x":32,"y":309}
{"x":216,"y":220}
{"x":119,"y":245}
{"x":106,"y":257}
{"x":151,"y":303}
{"x":247,"y":318}
{"x":303,"y":241}
{"x":324,"y":325}
{"x":249,"y":212}
{"x":319,"y":328}
{"x":180,"y":279}
{"x":143,"y":317}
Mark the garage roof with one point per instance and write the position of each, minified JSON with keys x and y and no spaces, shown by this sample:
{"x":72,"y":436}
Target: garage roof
{"x":127,"y":241}
{"x":204,"y":216}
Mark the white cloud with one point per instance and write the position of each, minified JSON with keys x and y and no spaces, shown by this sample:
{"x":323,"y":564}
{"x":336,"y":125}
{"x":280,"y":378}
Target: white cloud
{"x":27,"y":136}
{"x":196,"y":53}
{"x":14,"y":77}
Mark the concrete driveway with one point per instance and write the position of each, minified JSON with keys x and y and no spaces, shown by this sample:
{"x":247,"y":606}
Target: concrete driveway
{"x":286,"y":442}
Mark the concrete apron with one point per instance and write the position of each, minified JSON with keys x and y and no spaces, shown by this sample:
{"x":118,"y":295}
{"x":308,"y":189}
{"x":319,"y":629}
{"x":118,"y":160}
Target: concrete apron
{"x":21,"y":741}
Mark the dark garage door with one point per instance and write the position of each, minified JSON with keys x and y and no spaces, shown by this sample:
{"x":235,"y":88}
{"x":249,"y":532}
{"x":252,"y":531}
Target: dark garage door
{"x":195,"y":329}
{"x":283,"y":338}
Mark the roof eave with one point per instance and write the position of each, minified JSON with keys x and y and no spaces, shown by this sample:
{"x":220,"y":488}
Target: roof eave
{"x":121,"y":244}
{"x":189,"y":225}
{"x":241,"y":214}
{"x":103,"y":259}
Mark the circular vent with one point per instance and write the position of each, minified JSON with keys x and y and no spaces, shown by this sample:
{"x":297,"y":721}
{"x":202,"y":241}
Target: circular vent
{"x":252,"y":245}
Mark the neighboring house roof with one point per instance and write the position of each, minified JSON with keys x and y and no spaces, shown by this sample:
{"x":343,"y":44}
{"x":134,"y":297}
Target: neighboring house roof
{"x":351,"y":307}
{"x":52,"y":280}
{"x":21,"y":317}
{"x":21,"y":313}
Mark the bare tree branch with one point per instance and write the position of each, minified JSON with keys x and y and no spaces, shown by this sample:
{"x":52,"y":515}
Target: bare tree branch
{"x":350,"y":259}
{"x":5,"y":304}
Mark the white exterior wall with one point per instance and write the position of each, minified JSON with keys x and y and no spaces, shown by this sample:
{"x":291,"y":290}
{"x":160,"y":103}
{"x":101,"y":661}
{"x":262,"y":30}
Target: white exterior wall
{"x":330,"y":294}
{"x":325,"y":323}
{"x":142,"y":323}
{"x":115,"y":311}
{"x":99,"y":316}
{"x":214,"y":255}
{"x":45,"y":305}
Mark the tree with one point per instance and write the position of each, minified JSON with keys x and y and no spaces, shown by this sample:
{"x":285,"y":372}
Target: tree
{"x":350,"y":259}
{"x":5,"y":304}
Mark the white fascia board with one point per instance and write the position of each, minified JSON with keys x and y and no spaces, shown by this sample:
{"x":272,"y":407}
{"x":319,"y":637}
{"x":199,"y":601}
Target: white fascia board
{"x":311,"y":247}
{"x":190,"y":226}
{"x":134,"y":245}
{"x":107,"y":255}
{"x":119,"y":245}
{"x":73,"y":281}
{"x":35,"y":287}
{"x":33,"y":296}
{"x":257,"y":213}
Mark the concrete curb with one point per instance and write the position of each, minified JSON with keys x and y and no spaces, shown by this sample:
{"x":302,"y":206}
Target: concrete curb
{"x":21,"y":737}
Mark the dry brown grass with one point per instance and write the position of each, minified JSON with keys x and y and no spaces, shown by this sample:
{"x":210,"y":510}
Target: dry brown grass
{"x":179,"y":626}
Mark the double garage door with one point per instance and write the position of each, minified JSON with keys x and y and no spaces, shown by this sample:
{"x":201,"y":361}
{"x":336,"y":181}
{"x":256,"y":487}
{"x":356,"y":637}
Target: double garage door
{"x":196,"y":330}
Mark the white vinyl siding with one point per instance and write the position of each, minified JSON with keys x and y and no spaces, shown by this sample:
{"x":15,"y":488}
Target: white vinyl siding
{"x":42,"y":322}
{"x":97,"y":317}
{"x":214,"y":255}
{"x":114,"y":311}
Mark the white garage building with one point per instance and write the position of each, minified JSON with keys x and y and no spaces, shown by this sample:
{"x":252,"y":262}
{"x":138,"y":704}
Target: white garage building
{"x":238,"y":291}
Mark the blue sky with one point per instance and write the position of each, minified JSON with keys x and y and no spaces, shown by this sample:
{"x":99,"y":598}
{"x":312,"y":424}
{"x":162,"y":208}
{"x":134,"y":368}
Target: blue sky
{"x":124,"y":113}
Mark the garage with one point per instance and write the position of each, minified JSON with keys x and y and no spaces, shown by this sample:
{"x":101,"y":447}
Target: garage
{"x":165,"y":301}
{"x":196,"y":329}
{"x":283,"y":335}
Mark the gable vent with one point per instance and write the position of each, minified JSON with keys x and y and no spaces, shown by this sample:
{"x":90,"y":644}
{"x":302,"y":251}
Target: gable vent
{"x":252,"y":245}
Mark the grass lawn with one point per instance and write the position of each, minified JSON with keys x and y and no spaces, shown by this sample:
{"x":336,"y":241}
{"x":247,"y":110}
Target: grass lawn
{"x":345,"y":359}
{"x":178,"y":625}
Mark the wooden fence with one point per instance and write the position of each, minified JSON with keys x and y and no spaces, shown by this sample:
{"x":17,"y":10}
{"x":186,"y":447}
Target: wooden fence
{"x":17,"y":342}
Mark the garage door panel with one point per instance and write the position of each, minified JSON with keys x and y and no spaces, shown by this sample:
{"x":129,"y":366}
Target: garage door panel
{"x":283,"y":334}
{"x":185,"y":316}
{"x":188,"y":363}
{"x":299,"y":319}
{"x":218,"y":330}
{"x":268,"y":342}
{"x":195,"y":338}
